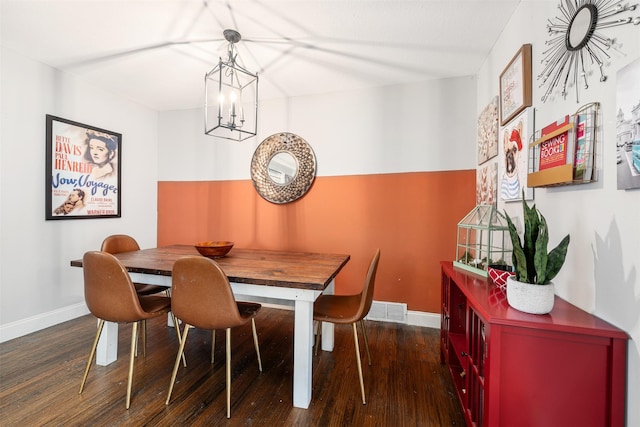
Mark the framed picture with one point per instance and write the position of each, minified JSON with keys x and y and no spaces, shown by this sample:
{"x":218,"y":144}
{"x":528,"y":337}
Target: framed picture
{"x":515,"y":85}
{"x":82,"y":171}
{"x":513,"y":157}
{"x":488,"y":132}
{"x":628,"y":126}
{"x":487,"y":184}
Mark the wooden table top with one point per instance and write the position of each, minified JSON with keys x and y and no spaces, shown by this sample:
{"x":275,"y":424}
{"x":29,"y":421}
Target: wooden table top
{"x":255,"y":266}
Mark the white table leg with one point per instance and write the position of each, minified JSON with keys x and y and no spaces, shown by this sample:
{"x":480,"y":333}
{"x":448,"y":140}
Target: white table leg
{"x":107,"y":350}
{"x":302,"y":353}
{"x":327,"y":328}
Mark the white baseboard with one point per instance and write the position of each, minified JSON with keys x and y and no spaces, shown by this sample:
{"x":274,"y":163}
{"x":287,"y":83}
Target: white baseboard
{"x":26,"y":326}
{"x":422,"y":318}
{"x":41,"y":321}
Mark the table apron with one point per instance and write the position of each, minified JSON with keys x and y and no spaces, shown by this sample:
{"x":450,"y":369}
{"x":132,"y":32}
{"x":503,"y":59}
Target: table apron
{"x":276,"y":292}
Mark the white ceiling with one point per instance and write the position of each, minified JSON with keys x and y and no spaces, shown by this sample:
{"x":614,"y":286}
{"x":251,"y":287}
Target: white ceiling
{"x":156,"y":52}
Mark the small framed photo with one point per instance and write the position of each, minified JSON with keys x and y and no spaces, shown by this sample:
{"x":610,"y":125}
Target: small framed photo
{"x":488,"y":132}
{"x":515,"y":85}
{"x":82,"y":171}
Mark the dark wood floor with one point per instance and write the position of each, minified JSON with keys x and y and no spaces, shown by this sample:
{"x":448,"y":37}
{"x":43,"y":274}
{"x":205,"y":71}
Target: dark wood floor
{"x":406,"y":385}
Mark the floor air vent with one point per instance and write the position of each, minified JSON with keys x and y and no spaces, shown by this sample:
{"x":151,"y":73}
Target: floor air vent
{"x":388,"y":312}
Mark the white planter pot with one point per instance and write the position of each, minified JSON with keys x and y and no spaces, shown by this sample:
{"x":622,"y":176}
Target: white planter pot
{"x":534,"y":299}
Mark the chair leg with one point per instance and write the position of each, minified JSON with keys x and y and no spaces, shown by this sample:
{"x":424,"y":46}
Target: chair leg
{"x":176,"y":326}
{"x":228,"y":372}
{"x":255,"y":342}
{"x":355,"y":336}
{"x":213,"y":344}
{"x":92,"y":353}
{"x":183,"y":341}
{"x":366,"y":343}
{"x":134,"y":337}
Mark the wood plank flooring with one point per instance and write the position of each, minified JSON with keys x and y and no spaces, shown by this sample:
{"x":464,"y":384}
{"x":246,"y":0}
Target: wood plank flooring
{"x":406,"y":385}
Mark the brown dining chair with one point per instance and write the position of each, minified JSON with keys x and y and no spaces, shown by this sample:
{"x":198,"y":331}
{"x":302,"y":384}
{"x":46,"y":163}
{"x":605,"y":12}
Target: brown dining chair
{"x":118,"y":243}
{"x":111,"y":296}
{"x":349,"y":309}
{"x":202,"y":298}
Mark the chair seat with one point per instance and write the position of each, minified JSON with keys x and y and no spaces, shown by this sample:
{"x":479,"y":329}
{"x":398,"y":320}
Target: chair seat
{"x":143,"y":289}
{"x":155,"y":304}
{"x":337,"y":308}
{"x":248,"y":309}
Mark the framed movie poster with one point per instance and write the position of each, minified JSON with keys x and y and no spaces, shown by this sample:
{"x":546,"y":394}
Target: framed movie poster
{"x":82,"y":171}
{"x":515,"y":85}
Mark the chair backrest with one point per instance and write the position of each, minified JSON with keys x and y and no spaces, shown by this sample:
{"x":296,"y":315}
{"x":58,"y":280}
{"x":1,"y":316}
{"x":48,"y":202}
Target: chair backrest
{"x":369,"y":283}
{"x":201,"y":294}
{"x":108,"y":290}
{"x":119,"y":243}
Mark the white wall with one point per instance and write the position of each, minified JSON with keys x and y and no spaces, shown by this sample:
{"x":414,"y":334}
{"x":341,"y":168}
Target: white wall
{"x":37,"y":286}
{"x":601,"y":274}
{"x":418,"y":127}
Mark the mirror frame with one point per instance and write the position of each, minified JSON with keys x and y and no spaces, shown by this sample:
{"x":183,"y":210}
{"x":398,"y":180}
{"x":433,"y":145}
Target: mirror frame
{"x":585,"y":33}
{"x":296,"y":188}
{"x":561,"y":69}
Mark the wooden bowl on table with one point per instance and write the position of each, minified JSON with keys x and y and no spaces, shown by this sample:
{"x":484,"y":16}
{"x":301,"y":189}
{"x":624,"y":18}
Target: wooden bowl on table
{"x":214,"y":249}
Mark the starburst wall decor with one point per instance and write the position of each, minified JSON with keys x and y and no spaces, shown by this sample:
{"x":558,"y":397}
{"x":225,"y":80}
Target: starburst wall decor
{"x":577,"y":42}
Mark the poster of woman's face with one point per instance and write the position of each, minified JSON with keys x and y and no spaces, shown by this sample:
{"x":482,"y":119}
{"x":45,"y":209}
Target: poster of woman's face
{"x":82,"y":171}
{"x":513,"y":157}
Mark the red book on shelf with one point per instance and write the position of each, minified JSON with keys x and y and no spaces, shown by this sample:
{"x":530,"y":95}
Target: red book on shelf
{"x":554,"y":151}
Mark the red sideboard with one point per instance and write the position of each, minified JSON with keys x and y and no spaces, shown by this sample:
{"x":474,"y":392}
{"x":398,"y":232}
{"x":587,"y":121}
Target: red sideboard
{"x":509,"y":368}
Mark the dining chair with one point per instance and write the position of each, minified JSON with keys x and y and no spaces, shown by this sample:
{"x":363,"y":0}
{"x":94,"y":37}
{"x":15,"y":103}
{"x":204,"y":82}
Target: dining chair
{"x":202,"y":298}
{"x":118,"y":243}
{"x":111,"y":297}
{"x":349,"y":309}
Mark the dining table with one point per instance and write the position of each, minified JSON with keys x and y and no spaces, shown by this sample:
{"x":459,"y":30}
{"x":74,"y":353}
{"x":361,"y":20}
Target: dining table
{"x":281,"y":278}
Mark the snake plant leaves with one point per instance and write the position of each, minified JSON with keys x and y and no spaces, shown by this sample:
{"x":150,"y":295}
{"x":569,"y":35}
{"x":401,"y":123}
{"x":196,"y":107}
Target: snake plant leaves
{"x":532,"y":263}
{"x":519,"y":259}
{"x":540,"y":256}
{"x":531,"y":230}
{"x":556,"y":258}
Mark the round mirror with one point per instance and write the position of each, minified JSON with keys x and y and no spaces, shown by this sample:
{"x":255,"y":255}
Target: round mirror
{"x":581,"y":27}
{"x":283,"y":168}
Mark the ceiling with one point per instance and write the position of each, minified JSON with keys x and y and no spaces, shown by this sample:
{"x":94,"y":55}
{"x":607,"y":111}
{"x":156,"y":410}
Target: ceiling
{"x":156,"y":52}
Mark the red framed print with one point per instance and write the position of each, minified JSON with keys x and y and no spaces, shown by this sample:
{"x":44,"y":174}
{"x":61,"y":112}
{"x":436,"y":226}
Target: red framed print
{"x":515,"y":85}
{"x":83,"y":170}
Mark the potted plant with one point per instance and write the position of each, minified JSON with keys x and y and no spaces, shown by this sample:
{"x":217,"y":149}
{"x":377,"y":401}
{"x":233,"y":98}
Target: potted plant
{"x":530,"y":289}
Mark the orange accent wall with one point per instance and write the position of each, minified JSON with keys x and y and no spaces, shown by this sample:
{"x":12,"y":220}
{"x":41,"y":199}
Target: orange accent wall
{"x":411,"y":217}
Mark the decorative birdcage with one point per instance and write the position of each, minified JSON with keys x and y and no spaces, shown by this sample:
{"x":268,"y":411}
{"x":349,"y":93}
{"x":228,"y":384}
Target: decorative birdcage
{"x":483,"y":240}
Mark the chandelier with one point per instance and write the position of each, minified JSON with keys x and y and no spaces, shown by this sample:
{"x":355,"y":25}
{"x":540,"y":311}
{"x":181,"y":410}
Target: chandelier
{"x":231,"y":97}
